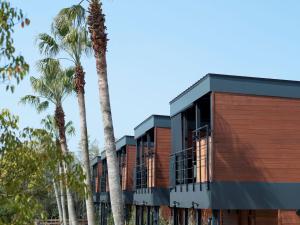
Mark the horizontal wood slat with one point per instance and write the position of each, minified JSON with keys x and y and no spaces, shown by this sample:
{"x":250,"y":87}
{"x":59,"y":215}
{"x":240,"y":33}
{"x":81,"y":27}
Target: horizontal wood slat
{"x":256,"y":138}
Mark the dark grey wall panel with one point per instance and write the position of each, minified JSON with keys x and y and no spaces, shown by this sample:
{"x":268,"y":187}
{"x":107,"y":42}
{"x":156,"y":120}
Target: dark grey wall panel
{"x":151,"y":196}
{"x":187,"y":196}
{"x":176,"y":125}
{"x":255,"y":195}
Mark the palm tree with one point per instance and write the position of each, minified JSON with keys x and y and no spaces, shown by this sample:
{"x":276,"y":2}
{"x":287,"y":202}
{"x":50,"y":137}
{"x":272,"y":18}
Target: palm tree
{"x":49,"y":125}
{"x":53,"y":86}
{"x":97,"y":29}
{"x":71,"y":37}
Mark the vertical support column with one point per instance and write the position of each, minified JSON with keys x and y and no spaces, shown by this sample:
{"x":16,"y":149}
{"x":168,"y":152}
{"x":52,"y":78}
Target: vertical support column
{"x":156,"y":215}
{"x":137,"y":219}
{"x":216,"y":217}
{"x":101,"y":213}
{"x":142,"y":215}
{"x":198,"y":217}
{"x":125,"y":213}
{"x":175,"y":216}
{"x":186,"y":216}
{"x":148,"y":215}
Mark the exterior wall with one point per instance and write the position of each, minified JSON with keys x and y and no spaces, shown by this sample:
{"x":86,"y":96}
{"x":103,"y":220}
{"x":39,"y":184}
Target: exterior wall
{"x":130,"y":163}
{"x":246,"y":217}
{"x":288,"y":218}
{"x":162,"y":156}
{"x":256,"y":138}
{"x":97,"y":180}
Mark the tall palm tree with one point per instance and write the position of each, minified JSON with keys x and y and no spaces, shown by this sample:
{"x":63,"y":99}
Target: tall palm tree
{"x":53,"y":86}
{"x":70,"y":36}
{"x":49,"y":125}
{"x":97,"y":29}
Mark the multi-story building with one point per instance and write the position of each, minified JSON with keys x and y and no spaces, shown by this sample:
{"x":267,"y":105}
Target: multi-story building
{"x":151,"y":196}
{"x":236,"y":152}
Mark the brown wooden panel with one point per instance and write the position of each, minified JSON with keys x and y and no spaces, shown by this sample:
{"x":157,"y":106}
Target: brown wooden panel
{"x":256,"y":138}
{"x":266,"y":217}
{"x":288,"y":218}
{"x":162,"y":156}
{"x":130,"y":163}
{"x":230,"y":217}
{"x":249,"y":217}
{"x":99,"y":173}
{"x":201,"y":159}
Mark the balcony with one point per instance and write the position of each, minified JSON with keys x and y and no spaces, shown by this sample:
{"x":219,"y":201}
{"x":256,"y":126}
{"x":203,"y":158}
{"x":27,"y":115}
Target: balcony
{"x":191,"y":171}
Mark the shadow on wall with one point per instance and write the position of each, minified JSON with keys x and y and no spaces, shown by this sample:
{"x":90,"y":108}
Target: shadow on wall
{"x":240,"y":172}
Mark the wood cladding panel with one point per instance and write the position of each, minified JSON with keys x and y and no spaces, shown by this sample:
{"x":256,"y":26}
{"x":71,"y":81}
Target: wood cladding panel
{"x":162,"y":156}
{"x":130,"y":163}
{"x":256,"y":138}
{"x":288,"y":218}
{"x":98,"y":176}
{"x":202,"y":160}
{"x":266,"y":217}
{"x":249,"y":217}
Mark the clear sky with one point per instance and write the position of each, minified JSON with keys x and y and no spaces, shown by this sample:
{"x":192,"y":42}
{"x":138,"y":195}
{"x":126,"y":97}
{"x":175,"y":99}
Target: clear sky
{"x":158,"y":48}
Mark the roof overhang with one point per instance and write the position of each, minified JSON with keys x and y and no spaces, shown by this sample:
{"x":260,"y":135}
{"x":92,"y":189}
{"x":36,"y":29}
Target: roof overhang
{"x":234,"y":84}
{"x":150,"y":122}
{"x":125,"y":140}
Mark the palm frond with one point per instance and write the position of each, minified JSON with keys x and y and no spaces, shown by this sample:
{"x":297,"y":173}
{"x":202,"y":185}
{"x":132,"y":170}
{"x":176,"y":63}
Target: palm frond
{"x":75,"y":13}
{"x":47,"y":45}
{"x":42,"y":106}
{"x":30,"y":99}
{"x":70,"y":129}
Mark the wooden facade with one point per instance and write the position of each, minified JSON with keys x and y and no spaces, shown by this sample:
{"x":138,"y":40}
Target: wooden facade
{"x":153,"y":158}
{"x":234,"y":153}
{"x":236,"y":149}
{"x":160,"y":163}
{"x":96,"y":177}
{"x":256,"y":138}
{"x":151,"y":197}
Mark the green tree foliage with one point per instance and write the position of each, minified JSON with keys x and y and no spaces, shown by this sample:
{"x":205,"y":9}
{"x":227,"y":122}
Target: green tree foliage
{"x":12,"y":65}
{"x":28,"y":162}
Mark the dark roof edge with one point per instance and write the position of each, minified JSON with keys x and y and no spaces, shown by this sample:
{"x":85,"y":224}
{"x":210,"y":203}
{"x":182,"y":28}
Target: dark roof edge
{"x":234,"y":77}
{"x":125,"y":140}
{"x":148,"y":118}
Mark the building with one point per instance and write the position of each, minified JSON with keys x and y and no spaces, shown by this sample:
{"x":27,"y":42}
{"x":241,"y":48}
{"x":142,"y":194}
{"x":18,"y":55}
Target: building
{"x":104,"y":191}
{"x":126,"y":154}
{"x":96,"y":172}
{"x":151,"y":196}
{"x":236,"y":152}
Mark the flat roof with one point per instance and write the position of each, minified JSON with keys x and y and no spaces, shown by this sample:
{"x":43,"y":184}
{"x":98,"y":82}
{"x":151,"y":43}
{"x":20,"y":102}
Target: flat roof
{"x":234,"y":84}
{"x":103,"y":155}
{"x":95,"y":160}
{"x":150,"y":122}
{"x":125,"y":140}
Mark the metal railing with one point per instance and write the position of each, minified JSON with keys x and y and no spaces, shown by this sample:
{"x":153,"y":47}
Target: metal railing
{"x":144,"y":171}
{"x":192,"y":165}
{"x":103,"y":184}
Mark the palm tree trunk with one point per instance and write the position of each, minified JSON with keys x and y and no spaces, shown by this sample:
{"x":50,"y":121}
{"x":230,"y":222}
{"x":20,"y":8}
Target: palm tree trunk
{"x":79,"y":86}
{"x":96,"y":22}
{"x":62,"y":197}
{"x":60,"y":122}
{"x":58,"y":202}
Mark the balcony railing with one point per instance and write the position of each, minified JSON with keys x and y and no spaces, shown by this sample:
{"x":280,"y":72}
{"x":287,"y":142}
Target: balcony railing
{"x":103,"y":184}
{"x":192,"y":165}
{"x":144,"y":172}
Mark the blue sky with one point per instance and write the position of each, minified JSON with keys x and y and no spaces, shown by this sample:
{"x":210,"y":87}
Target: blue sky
{"x":158,"y":48}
